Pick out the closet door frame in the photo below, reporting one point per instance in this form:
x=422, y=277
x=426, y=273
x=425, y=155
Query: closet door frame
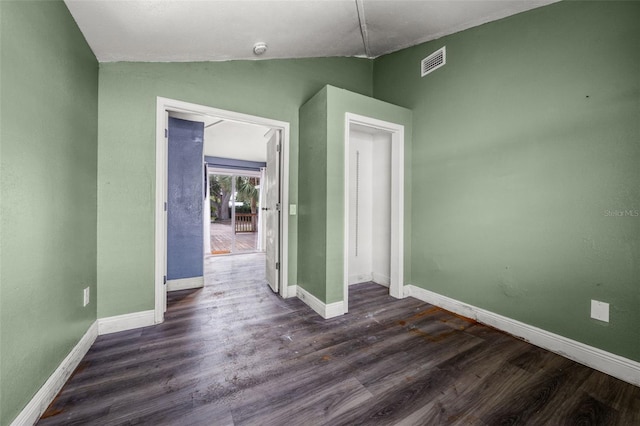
x=396, y=287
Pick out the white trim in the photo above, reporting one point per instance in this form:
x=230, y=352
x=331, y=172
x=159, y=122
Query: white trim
x=292, y=291
x=230, y=172
x=325, y=311
x=206, y=215
x=396, y=282
x=160, y=245
x=261, y=240
x=126, y=322
x=41, y=400
x=162, y=106
x=383, y=280
x=284, y=201
x=360, y=278
x=334, y=309
x=185, y=283
x=612, y=364
x=380, y=279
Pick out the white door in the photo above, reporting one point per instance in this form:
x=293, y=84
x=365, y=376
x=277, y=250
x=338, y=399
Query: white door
x=271, y=211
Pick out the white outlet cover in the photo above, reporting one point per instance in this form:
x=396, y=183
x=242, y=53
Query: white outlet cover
x=600, y=310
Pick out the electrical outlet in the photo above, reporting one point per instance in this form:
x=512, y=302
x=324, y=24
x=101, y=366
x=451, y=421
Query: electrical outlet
x=600, y=310
x=87, y=298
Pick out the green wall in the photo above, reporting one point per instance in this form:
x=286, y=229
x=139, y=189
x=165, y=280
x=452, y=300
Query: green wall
x=525, y=159
x=321, y=227
x=126, y=150
x=312, y=197
x=522, y=198
x=48, y=156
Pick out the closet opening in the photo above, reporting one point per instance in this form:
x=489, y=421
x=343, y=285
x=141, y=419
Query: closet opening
x=374, y=181
x=369, y=205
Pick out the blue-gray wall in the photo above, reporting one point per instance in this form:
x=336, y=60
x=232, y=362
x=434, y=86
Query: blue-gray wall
x=185, y=197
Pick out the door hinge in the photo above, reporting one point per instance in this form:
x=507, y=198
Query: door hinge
x=278, y=148
x=278, y=207
x=165, y=206
x=164, y=280
x=166, y=133
x=277, y=265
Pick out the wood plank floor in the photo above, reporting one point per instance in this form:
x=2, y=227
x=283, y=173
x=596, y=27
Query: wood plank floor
x=234, y=353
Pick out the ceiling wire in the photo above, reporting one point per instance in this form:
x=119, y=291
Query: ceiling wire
x=363, y=27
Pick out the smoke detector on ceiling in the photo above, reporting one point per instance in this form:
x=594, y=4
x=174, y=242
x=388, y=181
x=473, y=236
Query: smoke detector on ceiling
x=259, y=48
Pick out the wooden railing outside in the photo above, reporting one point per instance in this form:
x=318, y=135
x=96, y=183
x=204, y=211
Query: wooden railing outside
x=246, y=222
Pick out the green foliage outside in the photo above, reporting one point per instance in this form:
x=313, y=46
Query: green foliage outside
x=247, y=192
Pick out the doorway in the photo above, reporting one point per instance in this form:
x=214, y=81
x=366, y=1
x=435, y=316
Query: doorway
x=369, y=205
x=374, y=198
x=165, y=106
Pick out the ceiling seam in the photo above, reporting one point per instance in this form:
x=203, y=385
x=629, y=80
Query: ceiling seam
x=363, y=27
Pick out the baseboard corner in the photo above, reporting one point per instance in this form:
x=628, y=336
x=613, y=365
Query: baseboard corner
x=292, y=291
x=126, y=322
x=326, y=311
x=31, y=413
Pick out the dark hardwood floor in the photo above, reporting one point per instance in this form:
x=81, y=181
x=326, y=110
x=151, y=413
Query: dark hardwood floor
x=234, y=353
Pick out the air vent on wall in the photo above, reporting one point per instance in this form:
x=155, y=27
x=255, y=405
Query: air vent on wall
x=433, y=61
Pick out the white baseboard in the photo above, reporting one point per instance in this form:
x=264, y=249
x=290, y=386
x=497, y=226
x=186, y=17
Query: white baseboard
x=292, y=291
x=185, y=283
x=381, y=279
x=360, y=278
x=334, y=309
x=41, y=400
x=612, y=364
x=373, y=276
x=126, y=322
x=326, y=311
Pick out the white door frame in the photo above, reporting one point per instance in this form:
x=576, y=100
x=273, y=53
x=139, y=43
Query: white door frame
x=396, y=287
x=163, y=106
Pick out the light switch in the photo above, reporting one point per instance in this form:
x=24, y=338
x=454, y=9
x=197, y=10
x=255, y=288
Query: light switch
x=600, y=310
x=293, y=209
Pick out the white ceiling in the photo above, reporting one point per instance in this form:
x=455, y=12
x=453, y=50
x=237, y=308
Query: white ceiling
x=241, y=141
x=216, y=30
x=230, y=139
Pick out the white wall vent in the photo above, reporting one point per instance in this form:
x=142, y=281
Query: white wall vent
x=433, y=61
